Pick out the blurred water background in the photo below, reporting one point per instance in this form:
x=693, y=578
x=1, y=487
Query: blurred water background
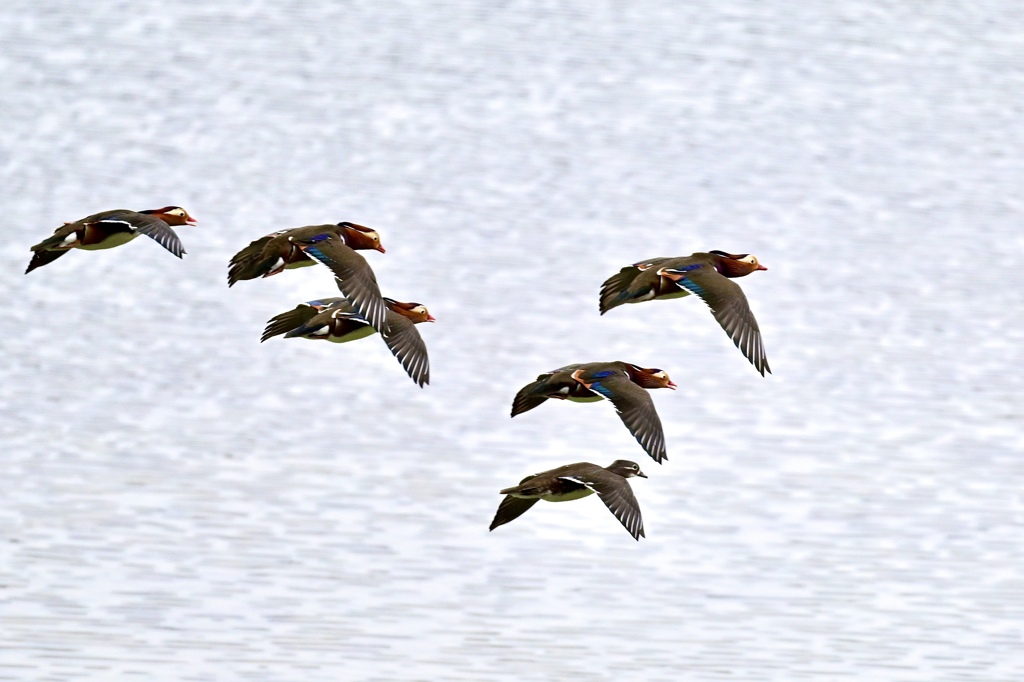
x=181, y=502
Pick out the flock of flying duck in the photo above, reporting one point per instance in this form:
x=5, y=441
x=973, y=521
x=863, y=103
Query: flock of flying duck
x=362, y=311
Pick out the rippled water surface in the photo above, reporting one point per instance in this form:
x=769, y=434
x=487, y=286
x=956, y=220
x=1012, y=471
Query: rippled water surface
x=181, y=502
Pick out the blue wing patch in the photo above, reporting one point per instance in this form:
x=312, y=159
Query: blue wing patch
x=606, y=373
x=316, y=253
x=603, y=390
x=691, y=286
x=319, y=238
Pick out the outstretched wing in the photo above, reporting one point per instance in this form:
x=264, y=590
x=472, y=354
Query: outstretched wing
x=617, y=495
x=729, y=306
x=299, y=316
x=531, y=395
x=406, y=344
x=636, y=409
x=152, y=227
x=41, y=258
x=511, y=508
x=558, y=383
x=353, y=275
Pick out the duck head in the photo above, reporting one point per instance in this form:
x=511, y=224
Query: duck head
x=649, y=377
x=360, y=237
x=625, y=468
x=172, y=215
x=417, y=312
x=736, y=265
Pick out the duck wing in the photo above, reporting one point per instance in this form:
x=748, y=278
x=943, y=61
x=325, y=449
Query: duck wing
x=636, y=410
x=406, y=344
x=152, y=227
x=41, y=258
x=290, y=320
x=617, y=495
x=558, y=383
x=252, y=261
x=297, y=317
x=353, y=276
x=511, y=508
x=729, y=305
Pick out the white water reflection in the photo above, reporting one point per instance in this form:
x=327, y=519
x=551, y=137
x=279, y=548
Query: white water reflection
x=182, y=502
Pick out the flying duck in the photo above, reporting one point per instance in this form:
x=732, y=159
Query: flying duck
x=573, y=481
x=620, y=382
x=335, y=320
x=333, y=245
x=112, y=228
x=709, y=275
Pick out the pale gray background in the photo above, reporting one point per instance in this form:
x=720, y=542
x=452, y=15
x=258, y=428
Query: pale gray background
x=182, y=503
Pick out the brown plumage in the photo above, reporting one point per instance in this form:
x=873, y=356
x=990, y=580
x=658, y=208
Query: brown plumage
x=333, y=245
x=709, y=276
x=575, y=481
x=109, y=229
x=336, y=320
x=622, y=383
